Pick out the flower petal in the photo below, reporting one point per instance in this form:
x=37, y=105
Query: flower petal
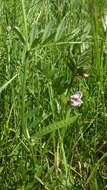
x=76, y=103
x=77, y=95
x=75, y=100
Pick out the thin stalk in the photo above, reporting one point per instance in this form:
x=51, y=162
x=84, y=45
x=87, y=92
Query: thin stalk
x=63, y=155
x=24, y=61
x=23, y=124
x=97, y=47
x=96, y=33
x=25, y=23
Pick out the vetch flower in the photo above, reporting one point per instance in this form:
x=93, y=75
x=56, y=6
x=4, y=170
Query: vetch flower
x=75, y=100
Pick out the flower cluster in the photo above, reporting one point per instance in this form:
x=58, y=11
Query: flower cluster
x=75, y=100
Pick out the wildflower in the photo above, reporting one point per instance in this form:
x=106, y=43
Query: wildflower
x=8, y=28
x=75, y=100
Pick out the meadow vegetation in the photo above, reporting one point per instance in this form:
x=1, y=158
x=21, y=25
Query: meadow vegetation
x=53, y=94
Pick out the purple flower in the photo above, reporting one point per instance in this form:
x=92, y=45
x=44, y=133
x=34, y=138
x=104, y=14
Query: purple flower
x=75, y=100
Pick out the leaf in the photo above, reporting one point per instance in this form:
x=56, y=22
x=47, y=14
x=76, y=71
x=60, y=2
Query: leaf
x=20, y=35
x=35, y=42
x=47, y=31
x=56, y=125
x=60, y=29
x=32, y=33
x=74, y=33
x=1, y=169
x=7, y=83
x=49, y=39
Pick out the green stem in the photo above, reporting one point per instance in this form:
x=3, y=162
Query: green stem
x=23, y=127
x=25, y=24
x=25, y=64
x=23, y=122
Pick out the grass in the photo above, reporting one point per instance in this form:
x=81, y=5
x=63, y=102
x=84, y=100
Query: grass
x=45, y=49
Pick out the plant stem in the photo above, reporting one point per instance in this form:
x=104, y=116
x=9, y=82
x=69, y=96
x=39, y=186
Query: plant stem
x=25, y=24
x=25, y=60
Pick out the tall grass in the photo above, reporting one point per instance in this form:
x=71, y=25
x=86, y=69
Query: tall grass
x=46, y=47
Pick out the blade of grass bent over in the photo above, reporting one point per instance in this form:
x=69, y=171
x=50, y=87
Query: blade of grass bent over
x=7, y=83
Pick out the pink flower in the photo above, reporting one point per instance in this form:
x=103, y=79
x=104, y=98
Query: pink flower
x=75, y=100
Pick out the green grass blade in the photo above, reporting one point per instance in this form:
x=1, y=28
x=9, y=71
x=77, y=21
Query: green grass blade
x=7, y=83
x=60, y=29
x=96, y=167
x=20, y=35
x=55, y=126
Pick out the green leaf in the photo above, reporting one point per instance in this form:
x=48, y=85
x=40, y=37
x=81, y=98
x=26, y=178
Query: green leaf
x=20, y=35
x=56, y=125
x=1, y=169
x=49, y=39
x=32, y=33
x=60, y=29
x=35, y=42
x=47, y=31
x=7, y=83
